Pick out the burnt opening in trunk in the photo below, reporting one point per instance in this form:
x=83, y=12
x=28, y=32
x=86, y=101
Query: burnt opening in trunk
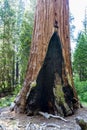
x=49, y=95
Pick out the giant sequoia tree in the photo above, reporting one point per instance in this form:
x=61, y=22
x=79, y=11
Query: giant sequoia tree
x=49, y=67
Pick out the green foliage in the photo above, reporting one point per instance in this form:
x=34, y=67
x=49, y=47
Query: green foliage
x=81, y=87
x=80, y=57
x=80, y=54
x=80, y=64
x=25, y=42
x=17, y=89
x=84, y=103
x=7, y=18
x=16, y=25
x=6, y=101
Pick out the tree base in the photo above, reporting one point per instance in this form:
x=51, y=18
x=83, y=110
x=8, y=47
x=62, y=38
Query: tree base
x=65, y=108
x=52, y=92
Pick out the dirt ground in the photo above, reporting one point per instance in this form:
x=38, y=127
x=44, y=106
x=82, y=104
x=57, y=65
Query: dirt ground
x=13, y=121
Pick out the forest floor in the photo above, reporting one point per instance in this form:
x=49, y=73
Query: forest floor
x=13, y=121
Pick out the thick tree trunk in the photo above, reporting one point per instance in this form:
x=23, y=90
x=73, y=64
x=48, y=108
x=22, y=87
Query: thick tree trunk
x=48, y=12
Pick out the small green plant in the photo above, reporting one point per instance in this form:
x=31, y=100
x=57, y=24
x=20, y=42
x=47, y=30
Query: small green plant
x=81, y=87
x=6, y=101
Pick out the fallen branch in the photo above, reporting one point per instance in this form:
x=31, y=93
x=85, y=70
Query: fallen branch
x=46, y=115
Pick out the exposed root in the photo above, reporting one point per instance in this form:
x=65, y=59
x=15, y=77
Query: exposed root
x=51, y=125
x=46, y=115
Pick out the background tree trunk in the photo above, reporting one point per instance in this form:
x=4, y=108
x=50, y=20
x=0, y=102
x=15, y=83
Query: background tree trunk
x=47, y=12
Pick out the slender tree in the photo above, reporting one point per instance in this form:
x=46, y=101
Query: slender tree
x=72, y=27
x=25, y=42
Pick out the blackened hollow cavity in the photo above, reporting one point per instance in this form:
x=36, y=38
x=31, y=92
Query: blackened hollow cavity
x=42, y=96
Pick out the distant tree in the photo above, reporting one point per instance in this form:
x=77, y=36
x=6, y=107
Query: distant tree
x=80, y=54
x=19, y=20
x=25, y=38
x=7, y=18
x=72, y=26
x=15, y=38
x=85, y=22
x=80, y=57
x=25, y=42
